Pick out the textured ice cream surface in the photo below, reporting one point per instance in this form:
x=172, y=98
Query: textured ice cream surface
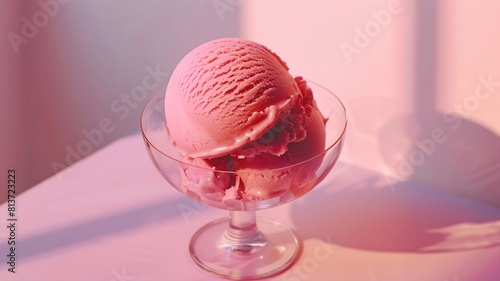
x=277, y=181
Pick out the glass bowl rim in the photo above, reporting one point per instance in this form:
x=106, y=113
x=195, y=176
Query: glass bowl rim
x=161, y=95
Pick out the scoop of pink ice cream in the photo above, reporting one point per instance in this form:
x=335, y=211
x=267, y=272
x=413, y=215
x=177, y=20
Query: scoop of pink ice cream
x=238, y=117
x=262, y=176
x=229, y=92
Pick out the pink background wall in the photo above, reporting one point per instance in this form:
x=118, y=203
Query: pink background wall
x=13, y=144
x=411, y=64
x=86, y=65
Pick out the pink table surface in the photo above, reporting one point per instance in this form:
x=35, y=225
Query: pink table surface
x=112, y=217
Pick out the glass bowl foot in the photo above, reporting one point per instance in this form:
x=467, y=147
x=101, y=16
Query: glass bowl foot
x=228, y=251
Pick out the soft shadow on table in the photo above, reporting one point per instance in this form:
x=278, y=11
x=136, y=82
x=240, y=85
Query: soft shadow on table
x=81, y=232
x=444, y=150
x=465, y=160
x=359, y=209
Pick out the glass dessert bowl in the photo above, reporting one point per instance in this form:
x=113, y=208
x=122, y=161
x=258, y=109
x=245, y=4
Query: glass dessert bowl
x=243, y=246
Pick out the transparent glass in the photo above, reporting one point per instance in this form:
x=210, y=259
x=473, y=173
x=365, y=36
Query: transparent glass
x=243, y=246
